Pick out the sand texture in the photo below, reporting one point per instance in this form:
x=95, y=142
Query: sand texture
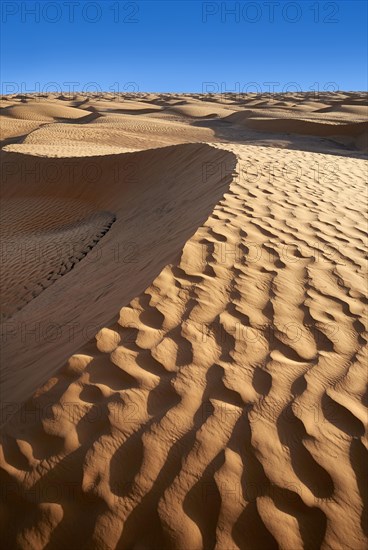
x=184, y=322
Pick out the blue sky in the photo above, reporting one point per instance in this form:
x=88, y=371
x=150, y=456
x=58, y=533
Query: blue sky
x=183, y=46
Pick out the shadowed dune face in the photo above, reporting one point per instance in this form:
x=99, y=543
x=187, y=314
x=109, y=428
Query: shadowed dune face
x=70, y=205
x=43, y=239
x=194, y=375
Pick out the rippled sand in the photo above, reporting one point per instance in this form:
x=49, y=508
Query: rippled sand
x=184, y=322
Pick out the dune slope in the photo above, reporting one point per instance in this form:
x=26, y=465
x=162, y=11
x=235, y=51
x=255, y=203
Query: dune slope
x=142, y=198
x=216, y=408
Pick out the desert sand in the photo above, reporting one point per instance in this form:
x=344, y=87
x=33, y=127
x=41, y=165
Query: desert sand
x=184, y=321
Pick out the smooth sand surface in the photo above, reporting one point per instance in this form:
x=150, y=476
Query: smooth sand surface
x=184, y=322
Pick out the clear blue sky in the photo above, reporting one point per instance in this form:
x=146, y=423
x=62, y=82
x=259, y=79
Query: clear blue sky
x=178, y=46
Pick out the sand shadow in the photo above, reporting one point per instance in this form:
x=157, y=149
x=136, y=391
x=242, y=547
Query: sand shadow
x=159, y=197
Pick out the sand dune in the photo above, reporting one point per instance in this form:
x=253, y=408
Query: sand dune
x=44, y=112
x=185, y=327
x=123, y=107
x=124, y=131
x=361, y=110
x=300, y=126
x=84, y=196
x=14, y=130
x=203, y=110
x=311, y=123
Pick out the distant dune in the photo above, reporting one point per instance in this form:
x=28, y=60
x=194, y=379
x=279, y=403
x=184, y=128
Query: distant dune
x=51, y=111
x=184, y=322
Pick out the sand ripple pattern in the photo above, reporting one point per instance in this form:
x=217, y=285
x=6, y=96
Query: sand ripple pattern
x=226, y=408
x=36, y=252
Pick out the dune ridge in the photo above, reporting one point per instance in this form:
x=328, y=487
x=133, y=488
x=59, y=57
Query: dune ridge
x=139, y=243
